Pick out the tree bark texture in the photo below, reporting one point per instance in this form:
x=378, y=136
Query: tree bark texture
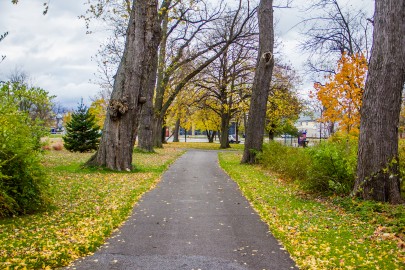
x=261, y=83
x=377, y=169
x=133, y=80
x=145, y=129
x=160, y=86
x=157, y=132
x=176, y=131
x=210, y=135
x=224, y=139
x=163, y=134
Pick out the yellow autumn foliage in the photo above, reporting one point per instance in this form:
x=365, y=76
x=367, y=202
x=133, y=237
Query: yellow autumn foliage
x=98, y=108
x=67, y=117
x=206, y=119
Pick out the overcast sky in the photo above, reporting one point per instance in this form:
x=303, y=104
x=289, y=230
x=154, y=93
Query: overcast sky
x=53, y=49
x=56, y=52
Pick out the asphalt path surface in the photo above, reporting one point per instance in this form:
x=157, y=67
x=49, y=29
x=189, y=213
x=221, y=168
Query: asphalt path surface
x=196, y=218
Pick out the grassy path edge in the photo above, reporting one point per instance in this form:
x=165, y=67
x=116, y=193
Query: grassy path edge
x=88, y=206
x=317, y=234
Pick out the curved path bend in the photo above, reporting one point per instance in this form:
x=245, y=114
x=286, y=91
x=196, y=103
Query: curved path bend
x=196, y=218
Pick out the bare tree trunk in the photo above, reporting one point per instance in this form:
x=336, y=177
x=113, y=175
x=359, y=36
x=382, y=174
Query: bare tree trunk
x=271, y=132
x=271, y=135
x=244, y=124
x=224, y=139
x=145, y=129
x=331, y=128
x=157, y=132
x=261, y=84
x=160, y=86
x=377, y=169
x=211, y=135
x=163, y=134
x=237, y=132
x=133, y=75
x=176, y=131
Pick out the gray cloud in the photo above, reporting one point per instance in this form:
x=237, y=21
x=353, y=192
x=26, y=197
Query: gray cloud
x=53, y=49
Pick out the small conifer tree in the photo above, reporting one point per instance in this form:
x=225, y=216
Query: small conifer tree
x=82, y=132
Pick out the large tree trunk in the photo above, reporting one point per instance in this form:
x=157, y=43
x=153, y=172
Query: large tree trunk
x=377, y=169
x=134, y=74
x=145, y=130
x=176, y=131
x=261, y=84
x=160, y=86
x=157, y=132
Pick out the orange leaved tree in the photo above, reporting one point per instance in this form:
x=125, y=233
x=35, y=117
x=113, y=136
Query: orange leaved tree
x=341, y=96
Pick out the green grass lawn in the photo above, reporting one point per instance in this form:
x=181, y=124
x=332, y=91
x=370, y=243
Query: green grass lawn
x=87, y=205
x=323, y=233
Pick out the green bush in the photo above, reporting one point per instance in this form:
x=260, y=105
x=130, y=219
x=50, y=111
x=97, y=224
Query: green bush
x=327, y=167
x=333, y=166
x=23, y=183
x=290, y=161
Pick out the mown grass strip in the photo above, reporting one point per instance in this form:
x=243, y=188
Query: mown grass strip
x=87, y=205
x=322, y=233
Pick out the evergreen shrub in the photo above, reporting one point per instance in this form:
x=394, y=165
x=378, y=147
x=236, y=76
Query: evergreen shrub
x=82, y=132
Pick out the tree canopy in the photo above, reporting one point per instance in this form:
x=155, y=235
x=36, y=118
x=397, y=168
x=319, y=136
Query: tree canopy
x=33, y=100
x=202, y=64
x=341, y=96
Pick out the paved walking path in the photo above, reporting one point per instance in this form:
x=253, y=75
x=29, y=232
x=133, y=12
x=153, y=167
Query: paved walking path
x=196, y=218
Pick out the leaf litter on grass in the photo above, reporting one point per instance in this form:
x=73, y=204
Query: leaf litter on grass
x=318, y=233
x=87, y=206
